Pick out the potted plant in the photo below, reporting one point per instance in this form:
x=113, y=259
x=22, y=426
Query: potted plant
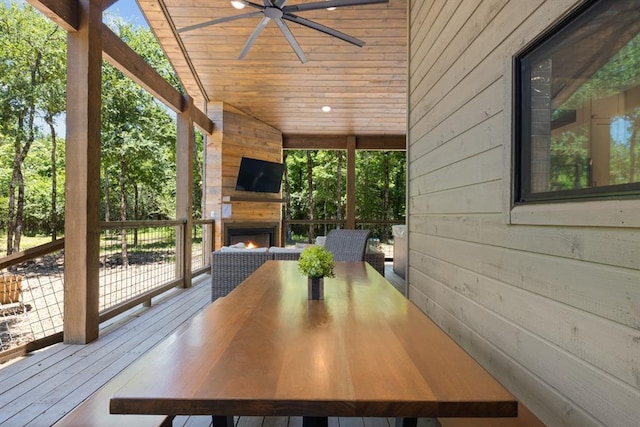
x=316, y=263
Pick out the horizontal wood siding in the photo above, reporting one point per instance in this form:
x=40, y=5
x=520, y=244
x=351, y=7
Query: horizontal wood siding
x=552, y=311
x=237, y=135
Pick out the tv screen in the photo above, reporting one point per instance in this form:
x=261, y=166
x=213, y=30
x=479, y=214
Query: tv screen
x=259, y=175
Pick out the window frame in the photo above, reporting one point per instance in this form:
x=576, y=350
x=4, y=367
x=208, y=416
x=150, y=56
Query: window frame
x=522, y=139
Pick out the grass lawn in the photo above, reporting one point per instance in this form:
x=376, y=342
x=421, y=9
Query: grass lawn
x=26, y=242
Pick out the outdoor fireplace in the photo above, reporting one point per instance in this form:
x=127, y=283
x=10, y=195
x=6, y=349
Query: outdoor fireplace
x=260, y=234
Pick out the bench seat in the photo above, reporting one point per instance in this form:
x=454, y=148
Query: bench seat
x=94, y=412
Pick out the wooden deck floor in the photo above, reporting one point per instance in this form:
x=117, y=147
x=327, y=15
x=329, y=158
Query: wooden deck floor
x=41, y=388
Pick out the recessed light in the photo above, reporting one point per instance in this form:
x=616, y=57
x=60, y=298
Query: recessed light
x=326, y=109
x=238, y=4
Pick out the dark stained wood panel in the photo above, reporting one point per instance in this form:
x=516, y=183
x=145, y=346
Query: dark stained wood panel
x=366, y=87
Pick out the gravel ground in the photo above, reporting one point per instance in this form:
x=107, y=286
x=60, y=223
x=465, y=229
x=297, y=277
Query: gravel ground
x=39, y=313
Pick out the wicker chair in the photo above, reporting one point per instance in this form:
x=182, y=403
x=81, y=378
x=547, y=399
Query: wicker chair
x=347, y=245
x=229, y=269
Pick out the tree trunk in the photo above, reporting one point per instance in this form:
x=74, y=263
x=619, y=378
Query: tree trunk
x=11, y=211
x=123, y=211
x=310, y=194
x=136, y=213
x=16, y=201
x=30, y=113
x=385, y=203
x=107, y=214
x=287, y=205
x=53, y=221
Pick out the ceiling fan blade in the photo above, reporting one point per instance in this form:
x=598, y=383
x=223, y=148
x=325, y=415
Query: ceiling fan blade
x=254, y=36
x=327, y=4
x=279, y=3
x=323, y=29
x=219, y=21
x=291, y=39
x=252, y=4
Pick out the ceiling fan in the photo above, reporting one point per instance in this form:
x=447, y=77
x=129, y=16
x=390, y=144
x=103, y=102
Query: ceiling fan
x=277, y=11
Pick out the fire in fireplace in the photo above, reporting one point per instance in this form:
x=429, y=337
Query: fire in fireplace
x=262, y=236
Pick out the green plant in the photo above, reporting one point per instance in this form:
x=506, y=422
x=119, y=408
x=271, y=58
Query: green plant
x=316, y=261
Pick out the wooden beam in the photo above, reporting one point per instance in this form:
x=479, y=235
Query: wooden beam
x=82, y=187
x=184, y=190
x=312, y=142
x=62, y=12
x=339, y=142
x=121, y=56
x=201, y=120
x=107, y=4
x=351, y=183
x=133, y=66
x=381, y=142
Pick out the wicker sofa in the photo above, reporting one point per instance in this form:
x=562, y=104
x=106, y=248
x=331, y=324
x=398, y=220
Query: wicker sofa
x=230, y=267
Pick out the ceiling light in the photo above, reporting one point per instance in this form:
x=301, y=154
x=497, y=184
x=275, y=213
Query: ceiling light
x=326, y=109
x=237, y=4
x=330, y=8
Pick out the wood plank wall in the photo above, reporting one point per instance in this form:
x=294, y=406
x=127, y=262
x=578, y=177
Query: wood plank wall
x=552, y=311
x=236, y=135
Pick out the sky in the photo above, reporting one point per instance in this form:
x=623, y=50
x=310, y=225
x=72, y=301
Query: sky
x=128, y=10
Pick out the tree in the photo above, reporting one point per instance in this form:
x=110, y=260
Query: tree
x=314, y=183
x=138, y=138
x=30, y=70
x=310, y=205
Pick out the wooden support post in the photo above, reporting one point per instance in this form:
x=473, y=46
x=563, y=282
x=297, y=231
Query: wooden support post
x=208, y=234
x=82, y=188
x=184, y=190
x=351, y=183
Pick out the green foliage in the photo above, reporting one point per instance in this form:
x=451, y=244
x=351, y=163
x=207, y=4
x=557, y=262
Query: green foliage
x=32, y=95
x=316, y=261
x=570, y=160
x=138, y=137
x=380, y=190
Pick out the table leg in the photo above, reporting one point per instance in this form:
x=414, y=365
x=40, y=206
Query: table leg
x=219, y=421
x=315, y=422
x=406, y=422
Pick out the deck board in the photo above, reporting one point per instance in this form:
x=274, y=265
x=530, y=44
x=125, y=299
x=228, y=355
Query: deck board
x=41, y=388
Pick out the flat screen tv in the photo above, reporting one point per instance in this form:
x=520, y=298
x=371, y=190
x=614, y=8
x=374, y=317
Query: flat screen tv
x=259, y=176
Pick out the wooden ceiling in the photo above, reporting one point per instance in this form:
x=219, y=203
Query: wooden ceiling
x=365, y=87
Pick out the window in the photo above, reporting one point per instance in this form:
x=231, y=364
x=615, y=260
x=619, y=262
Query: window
x=578, y=107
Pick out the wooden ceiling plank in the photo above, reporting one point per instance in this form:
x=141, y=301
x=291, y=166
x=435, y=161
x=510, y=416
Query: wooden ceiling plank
x=366, y=87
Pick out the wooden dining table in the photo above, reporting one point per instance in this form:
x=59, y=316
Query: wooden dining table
x=266, y=349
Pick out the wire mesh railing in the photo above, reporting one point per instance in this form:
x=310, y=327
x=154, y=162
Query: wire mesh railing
x=136, y=258
x=306, y=231
x=33, y=295
x=138, y=261
x=201, y=245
